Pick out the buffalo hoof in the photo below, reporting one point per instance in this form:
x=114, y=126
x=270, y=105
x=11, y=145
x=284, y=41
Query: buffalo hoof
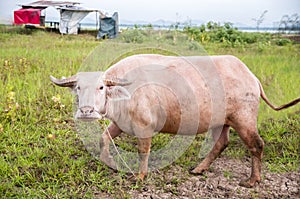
x=248, y=183
x=197, y=171
x=141, y=176
x=109, y=161
x=137, y=177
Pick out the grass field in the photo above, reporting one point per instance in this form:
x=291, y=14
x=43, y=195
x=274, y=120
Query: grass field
x=41, y=155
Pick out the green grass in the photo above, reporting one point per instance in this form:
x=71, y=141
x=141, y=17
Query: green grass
x=41, y=155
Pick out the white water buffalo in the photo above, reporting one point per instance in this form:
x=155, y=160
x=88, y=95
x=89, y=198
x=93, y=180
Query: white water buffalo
x=143, y=94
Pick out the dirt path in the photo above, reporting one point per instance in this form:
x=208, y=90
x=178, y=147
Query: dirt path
x=221, y=181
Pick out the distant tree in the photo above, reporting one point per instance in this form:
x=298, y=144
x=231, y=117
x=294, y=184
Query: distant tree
x=290, y=22
x=284, y=22
x=294, y=22
x=260, y=19
x=177, y=23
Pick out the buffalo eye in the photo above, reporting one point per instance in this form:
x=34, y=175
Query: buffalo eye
x=100, y=88
x=78, y=87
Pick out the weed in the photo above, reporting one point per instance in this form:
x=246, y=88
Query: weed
x=227, y=174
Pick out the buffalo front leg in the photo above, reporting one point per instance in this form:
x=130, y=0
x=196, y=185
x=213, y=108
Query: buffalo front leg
x=221, y=140
x=111, y=132
x=144, y=145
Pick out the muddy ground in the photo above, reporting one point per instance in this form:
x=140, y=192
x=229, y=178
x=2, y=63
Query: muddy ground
x=221, y=181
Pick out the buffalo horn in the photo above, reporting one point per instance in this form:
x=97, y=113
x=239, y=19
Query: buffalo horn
x=65, y=82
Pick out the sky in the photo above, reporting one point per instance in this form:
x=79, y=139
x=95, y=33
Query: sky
x=235, y=11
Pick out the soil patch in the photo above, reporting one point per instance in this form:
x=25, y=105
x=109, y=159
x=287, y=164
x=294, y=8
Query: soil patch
x=221, y=181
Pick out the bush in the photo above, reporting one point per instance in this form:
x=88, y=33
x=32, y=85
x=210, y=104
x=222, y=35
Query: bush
x=133, y=36
x=225, y=34
x=283, y=42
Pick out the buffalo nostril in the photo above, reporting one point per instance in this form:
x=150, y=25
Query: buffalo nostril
x=86, y=110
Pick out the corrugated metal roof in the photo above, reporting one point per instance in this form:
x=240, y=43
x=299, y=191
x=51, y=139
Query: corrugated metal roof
x=45, y=4
x=77, y=9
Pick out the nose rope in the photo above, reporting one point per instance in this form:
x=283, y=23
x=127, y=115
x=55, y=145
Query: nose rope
x=115, y=147
x=103, y=115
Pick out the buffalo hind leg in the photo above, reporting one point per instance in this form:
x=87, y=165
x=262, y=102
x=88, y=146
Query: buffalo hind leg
x=221, y=139
x=144, y=145
x=111, y=132
x=255, y=145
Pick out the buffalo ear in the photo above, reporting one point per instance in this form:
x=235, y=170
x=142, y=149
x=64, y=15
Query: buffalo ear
x=117, y=93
